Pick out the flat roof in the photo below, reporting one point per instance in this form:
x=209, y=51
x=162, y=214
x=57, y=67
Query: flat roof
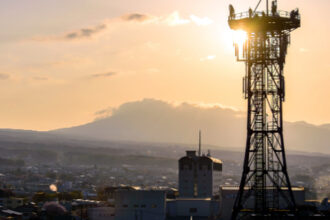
x=190, y=199
x=294, y=188
x=11, y=212
x=214, y=160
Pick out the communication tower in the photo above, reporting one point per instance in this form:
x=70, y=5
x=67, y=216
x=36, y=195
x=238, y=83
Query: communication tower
x=265, y=191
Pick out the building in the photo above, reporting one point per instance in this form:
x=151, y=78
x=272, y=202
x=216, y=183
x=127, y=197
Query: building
x=10, y=214
x=199, y=181
x=140, y=204
x=321, y=205
x=101, y=213
x=198, y=197
x=196, y=208
x=11, y=202
x=228, y=195
x=199, y=176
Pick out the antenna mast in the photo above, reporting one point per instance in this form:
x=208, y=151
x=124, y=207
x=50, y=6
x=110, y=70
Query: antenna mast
x=265, y=190
x=200, y=143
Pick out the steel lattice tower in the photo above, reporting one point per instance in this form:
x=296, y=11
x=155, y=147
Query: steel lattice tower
x=265, y=191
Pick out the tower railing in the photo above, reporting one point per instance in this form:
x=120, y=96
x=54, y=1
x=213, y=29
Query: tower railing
x=248, y=14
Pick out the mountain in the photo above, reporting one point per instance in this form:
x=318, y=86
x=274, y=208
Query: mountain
x=152, y=120
x=325, y=126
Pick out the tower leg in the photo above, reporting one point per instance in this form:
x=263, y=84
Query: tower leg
x=265, y=188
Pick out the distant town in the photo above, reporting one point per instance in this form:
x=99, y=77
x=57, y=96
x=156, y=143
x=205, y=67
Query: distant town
x=43, y=178
x=164, y=110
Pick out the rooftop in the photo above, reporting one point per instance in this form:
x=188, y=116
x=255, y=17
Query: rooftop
x=294, y=188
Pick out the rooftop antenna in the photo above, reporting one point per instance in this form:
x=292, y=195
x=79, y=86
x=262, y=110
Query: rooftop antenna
x=200, y=143
x=255, y=9
x=267, y=6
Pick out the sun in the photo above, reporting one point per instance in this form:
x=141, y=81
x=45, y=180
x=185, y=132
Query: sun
x=239, y=37
x=230, y=37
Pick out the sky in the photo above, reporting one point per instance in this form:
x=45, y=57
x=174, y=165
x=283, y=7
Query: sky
x=63, y=61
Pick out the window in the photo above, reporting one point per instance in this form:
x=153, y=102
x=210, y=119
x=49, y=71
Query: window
x=153, y=206
x=125, y=206
x=136, y=206
x=195, y=190
x=143, y=206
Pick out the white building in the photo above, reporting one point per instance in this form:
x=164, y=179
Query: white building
x=195, y=208
x=199, y=176
x=101, y=213
x=199, y=181
x=140, y=204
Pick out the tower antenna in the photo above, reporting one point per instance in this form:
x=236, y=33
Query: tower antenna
x=255, y=9
x=200, y=143
x=267, y=6
x=265, y=181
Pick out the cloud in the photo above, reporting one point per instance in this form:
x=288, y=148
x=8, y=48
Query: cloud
x=201, y=21
x=135, y=17
x=104, y=113
x=103, y=75
x=4, y=76
x=85, y=32
x=172, y=19
x=175, y=19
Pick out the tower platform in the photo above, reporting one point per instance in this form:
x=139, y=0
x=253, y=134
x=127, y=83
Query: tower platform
x=260, y=22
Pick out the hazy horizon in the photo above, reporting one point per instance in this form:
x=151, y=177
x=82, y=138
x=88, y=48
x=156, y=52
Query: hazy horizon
x=107, y=113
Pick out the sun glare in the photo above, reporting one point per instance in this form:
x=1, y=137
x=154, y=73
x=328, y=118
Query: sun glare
x=239, y=37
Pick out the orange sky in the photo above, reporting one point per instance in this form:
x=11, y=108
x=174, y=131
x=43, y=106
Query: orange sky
x=62, y=61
